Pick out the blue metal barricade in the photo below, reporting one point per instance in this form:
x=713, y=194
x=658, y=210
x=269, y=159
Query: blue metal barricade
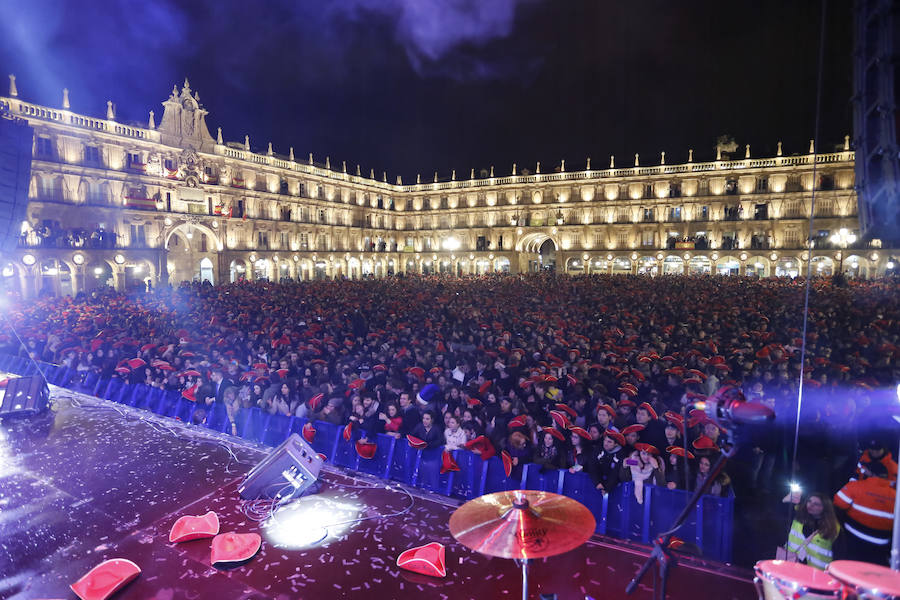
x=404, y=462
x=380, y=464
x=428, y=474
x=469, y=481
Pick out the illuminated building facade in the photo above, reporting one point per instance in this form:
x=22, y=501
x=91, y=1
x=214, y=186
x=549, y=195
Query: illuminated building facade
x=118, y=204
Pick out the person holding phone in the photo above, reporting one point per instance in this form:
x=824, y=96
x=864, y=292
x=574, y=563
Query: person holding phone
x=643, y=467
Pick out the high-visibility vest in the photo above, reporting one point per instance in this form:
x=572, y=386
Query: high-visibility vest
x=818, y=550
x=865, y=460
x=870, y=509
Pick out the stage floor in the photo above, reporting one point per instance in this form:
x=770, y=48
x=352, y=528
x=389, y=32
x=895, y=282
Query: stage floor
x=94, y=480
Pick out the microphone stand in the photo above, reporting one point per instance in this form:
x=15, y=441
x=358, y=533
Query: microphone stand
x=661, y=555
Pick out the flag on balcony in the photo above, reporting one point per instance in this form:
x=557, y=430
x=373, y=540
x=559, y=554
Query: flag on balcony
x=140, y=203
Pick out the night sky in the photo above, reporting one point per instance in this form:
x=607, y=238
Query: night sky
x=408, y=86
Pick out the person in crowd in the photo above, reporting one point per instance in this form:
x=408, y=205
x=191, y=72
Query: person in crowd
x=644, y=467
x=548, y=453
x=454, y=435
x=579, y=451
x=866, y=507
x=428, y=431
x=391, y=419
x=605, y=467
x=720, y=486
x=815, y=531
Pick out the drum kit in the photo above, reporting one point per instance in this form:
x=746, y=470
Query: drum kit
x=841, y=580
x=522, y=525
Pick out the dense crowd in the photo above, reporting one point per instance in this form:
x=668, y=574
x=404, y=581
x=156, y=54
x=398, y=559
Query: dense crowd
x=591, y=373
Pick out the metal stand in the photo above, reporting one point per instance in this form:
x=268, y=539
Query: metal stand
x=661, y=556
x=524, y=564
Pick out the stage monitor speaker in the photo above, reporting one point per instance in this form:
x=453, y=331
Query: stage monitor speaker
x=25, y=396
x=16, y=139
x=876, y=117
x=287, y=471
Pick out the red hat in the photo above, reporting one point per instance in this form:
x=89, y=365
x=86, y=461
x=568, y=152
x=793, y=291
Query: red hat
x=109, y=576
x=416, y=442
x=473, y=402
x=609, y=409
x=670, y=415
x=447, y=463
x=190, y=373
x=648, y=448
x=568, y=409
x=519, y=421
x=366, y=449
x=560, y=418
x=630, y=390
x=646, y=406
x=571, y=379
x=705, y=443
x=507, y=462
x=627, y=402
x=122, y=370
x=234, y=547
x=348, y=432
x=282, y=373
x=379, y=367
x=485, y=386
x=309, y=432
x=425, y=560
x=357, y=383
x=315, y=401
x=483, y=445
x=191, y=527
x=417, y=371
x=581, y=432
x=678, y=451
x=136, y=363
x=615, y=436
x=632, y=429
x=554, y=432
x=260, y=366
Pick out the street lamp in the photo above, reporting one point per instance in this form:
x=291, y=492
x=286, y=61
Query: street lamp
x=842, y=238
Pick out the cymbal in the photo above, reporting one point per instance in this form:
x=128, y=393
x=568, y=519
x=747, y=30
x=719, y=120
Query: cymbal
x=522, y=524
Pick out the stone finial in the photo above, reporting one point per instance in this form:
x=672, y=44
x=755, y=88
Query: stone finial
x=151, y=123
x=187, y=85
x=538, y=168
x=514, y=169
x=343, y=166
x=453, y=175
x=269, y=150
x=747, y=151
x=588, y=168
x=358, y=173
x=612, y=161
x=492, y=170
x=690, y=155
x=291, y=155
x=778, y=151
x=327, y=162
x=384, y=176
x=846, y=143
x=562, y=166
x=399, y=180
x=110, y=111
x=718, y=153
x=310, y=158
x=65, y=103
x=418, y=178
x=637, y=159
x=13, y=91
x=247, y=143
x=812, y=146
x=472, y=173
x=662, y=157
x=174, y=90
x=219, y=136
x=435, y=176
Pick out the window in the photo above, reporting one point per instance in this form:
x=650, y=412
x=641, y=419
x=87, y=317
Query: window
x=826, y=182
x=137, y=236
x=675, y=213
x=320, y=192
x=598, y=239
x=500, y=243
x=704, y=213
x=409, y=204
x=43, y=147
x=203, y=243
x=481, y=243
x=134, y=159
x=624, y=216
x=321, y=216
x=761, y=212
x=285, y=239
x=648, y=215
x=92, y=155
x=648, y=191
x=824, y=207
x=445, y=203
x=304, y=241
x=262, y=239
x=675, y=190
x=622, y=239
x=731, y=186
x=169, y=164
x=647, y=238
x=762, y=184
x=445, y=223
x=427, y=243
x=791, y=238
x=302, y=189
x=792, y=209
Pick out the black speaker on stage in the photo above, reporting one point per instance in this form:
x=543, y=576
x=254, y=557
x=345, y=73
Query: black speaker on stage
x=16, y=139
x=287, y=471
x=25, y=396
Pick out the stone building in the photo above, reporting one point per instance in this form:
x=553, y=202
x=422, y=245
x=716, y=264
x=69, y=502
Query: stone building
x=118, y=204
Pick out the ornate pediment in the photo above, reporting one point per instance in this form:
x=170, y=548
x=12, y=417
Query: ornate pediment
x=184, y=121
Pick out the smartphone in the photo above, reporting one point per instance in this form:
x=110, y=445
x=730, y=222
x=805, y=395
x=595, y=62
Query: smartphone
x=631, y=462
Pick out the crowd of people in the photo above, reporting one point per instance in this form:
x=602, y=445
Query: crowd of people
x=597, y=374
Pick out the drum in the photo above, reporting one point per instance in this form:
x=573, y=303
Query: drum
x=865, y=581
x=781, y=580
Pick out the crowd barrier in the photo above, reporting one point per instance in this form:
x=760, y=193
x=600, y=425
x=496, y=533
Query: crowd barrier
x=617, y=514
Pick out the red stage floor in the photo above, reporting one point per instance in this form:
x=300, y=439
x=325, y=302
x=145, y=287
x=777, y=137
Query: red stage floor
x=100, y=481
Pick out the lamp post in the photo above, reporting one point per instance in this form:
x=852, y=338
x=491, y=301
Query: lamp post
x=842, y=238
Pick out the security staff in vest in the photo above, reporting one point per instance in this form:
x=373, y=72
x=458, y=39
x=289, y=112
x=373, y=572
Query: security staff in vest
x=867, y=506
x=815, y=532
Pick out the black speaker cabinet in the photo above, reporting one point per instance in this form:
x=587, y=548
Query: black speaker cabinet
x=25, y=396
x=287, y=471
x=16, y=138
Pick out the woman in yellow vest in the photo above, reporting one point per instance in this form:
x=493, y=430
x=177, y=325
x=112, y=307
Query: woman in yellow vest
x=814, y=531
